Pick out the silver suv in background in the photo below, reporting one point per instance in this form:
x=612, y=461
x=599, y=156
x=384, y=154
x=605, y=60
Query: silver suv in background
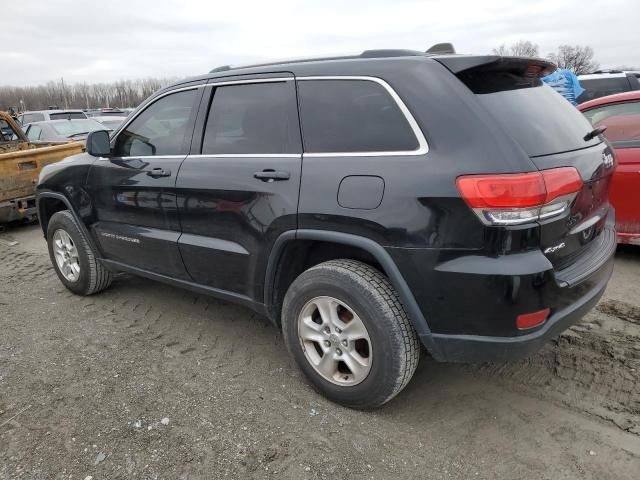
x=607, y=82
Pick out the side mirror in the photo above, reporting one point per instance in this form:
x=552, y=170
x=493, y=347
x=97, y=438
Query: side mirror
x=98, y=143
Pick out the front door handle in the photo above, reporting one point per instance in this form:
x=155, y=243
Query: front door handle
x=271, y=175
x=159, y=172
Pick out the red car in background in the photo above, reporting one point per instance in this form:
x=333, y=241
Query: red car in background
x=620, y=113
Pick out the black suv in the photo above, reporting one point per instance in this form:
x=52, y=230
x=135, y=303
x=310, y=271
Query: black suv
x=365, y=204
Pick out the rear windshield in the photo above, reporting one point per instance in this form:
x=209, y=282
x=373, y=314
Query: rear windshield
x=539, y=119
x=66, y=115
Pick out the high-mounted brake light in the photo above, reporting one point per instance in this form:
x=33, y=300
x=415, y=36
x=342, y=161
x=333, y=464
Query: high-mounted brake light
x=510, y=199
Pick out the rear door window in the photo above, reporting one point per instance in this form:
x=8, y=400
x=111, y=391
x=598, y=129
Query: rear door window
x=348, y=116
x=622, y=122
x=256, y=118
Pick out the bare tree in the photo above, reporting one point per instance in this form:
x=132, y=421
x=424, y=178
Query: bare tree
x=577, y=58
x=124, y=93
x=522, y=48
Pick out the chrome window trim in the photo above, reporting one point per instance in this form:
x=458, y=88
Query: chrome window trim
x=246, y=155
x=195, y=87
x=423, y=146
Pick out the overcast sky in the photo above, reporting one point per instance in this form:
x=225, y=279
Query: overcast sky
x=93, y=41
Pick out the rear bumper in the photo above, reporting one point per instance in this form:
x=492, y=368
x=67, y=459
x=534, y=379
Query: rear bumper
x=476, y=348
x=472, y=302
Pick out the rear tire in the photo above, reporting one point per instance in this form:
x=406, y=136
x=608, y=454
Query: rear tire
x=72, y=257
x=370, y=350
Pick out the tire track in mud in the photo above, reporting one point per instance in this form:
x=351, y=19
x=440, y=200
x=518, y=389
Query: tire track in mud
x=174, y=320
x=594, y=367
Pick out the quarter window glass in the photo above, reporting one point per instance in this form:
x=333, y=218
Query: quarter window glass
x=352, y=116
x=622, y=121
x=253, y=119
x=161, y=129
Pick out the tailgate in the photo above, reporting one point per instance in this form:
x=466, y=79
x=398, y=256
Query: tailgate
x=553, y=134
x=19, y=170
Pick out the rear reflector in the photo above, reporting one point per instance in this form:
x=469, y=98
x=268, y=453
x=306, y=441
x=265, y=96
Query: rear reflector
x=520, y=197
x=530, y=320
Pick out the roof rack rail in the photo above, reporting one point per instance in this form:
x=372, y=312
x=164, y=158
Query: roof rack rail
x=391, y=52
x=438, y=49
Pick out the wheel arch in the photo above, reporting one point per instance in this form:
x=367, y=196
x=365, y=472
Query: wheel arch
x=383, y=261
x=48, y=203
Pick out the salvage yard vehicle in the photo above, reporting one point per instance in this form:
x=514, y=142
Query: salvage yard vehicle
x=607, y=82
x=52, y=114
x=20, y=164
x=363, y=203
x=620, y=115
x=62, y=130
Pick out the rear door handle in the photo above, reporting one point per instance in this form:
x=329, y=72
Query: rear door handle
x=159, y=172
x=271, y=175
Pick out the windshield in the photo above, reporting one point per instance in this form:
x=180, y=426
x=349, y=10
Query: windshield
x=75, y=127
x=539, y=119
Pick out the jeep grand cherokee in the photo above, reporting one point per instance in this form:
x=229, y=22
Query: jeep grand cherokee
x=365, y=204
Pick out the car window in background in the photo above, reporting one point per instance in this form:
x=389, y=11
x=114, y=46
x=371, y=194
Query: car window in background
x=601, y=87
x=622, y=121
x=352, y=116
x=253, y=119
x=160, y=129
x=33, y=133
x=75, y=127
x=66, y=115
x=32, y=117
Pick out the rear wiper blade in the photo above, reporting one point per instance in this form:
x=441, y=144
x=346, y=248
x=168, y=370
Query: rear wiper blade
x=594, y=133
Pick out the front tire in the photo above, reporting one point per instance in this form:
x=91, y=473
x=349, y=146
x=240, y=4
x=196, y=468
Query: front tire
x=348, y=332
x=72, y=257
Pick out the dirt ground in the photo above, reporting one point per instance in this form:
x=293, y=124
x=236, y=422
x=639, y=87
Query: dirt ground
x=148, y=381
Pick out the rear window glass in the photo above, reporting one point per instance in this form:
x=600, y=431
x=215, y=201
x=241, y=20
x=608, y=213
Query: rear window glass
x=539, y=119
x=352, y=116
x=601, y=87
x=66, y=115
x=622, y=121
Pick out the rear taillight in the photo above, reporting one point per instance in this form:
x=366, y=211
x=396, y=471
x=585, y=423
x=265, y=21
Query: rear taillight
x=511, y=199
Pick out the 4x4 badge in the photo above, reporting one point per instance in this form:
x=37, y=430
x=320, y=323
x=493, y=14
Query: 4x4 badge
x=554, y=248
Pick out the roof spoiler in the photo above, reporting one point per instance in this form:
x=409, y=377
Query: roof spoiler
x=441, y=49
x=522, y=66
